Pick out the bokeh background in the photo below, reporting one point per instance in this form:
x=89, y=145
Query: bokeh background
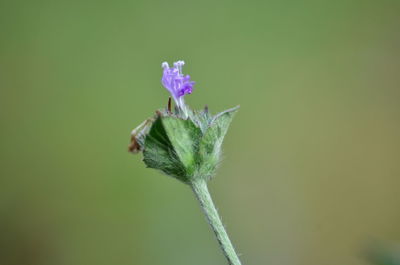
x=311, y=171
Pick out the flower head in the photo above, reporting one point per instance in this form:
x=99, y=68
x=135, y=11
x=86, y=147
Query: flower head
x=184, y=143
x=176, y=83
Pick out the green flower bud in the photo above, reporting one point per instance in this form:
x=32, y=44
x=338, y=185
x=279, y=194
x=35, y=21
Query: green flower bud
x=186, y=149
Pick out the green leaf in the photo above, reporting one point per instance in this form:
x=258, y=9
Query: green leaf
x=171, y=146
x=211, y=142
x=184, y=137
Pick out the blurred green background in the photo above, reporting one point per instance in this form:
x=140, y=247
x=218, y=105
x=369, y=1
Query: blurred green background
x=311, y=163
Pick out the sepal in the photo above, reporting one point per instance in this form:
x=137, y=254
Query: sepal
x=171, y=146
x=186, y=149
x=211, y=142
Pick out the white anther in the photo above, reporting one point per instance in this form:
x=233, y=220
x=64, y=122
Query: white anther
x=164, y=65
x=179, y=65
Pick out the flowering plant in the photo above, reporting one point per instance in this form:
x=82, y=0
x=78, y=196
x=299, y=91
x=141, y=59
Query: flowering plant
x=186, y=144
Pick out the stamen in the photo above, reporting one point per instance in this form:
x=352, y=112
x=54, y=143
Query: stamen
x=179, y=65
x=164, y=65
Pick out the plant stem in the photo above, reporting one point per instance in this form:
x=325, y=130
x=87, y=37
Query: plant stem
x=200, y=189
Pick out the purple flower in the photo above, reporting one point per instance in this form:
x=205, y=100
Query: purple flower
x=176, y=83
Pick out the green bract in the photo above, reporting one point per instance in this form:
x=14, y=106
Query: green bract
x=186, y=149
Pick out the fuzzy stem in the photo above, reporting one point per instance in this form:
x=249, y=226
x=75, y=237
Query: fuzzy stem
x=200, y=189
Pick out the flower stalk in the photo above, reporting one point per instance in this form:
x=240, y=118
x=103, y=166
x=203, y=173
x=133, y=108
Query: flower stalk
x=200, y=189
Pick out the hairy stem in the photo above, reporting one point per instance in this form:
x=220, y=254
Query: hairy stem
x=200, y=189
